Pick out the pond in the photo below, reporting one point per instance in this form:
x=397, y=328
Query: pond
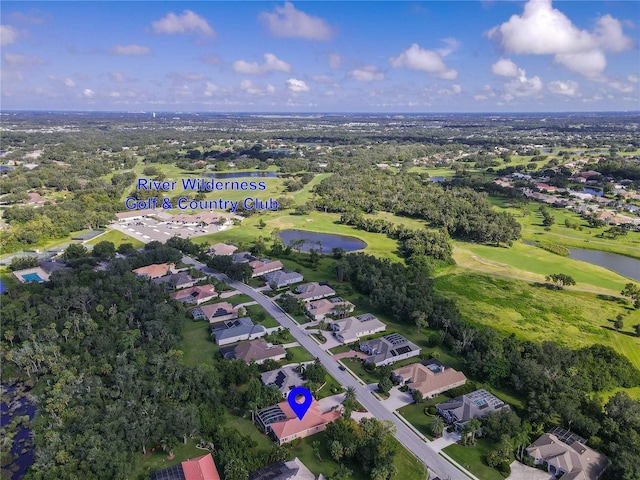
x=626, y=266
x=327, y=241
x=16, y=404
x=223, y=175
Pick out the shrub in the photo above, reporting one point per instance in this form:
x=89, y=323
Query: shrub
x=504, y=468
x=430, y=410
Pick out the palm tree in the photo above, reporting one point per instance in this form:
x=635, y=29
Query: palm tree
x=521, y=441
x=475, y=426
x=350, y=395
x=437, y=426
x=465, y=433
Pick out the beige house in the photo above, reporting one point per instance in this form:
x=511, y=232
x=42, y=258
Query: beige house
x=351, y=329
x=318, y=309
x=430, y=378
x=567, y=457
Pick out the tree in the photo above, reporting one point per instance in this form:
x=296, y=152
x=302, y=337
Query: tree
x=618, y=323
x=350, y=396
x=417, y=396
x=315, y=446
x=632, y=291
x=261, y=224
x=475, y=426
x=436, y=427
x=636, y=328
x=385, y=385
x=342, y=473
x=74, y=251
x=420, y=320
x=560, y=279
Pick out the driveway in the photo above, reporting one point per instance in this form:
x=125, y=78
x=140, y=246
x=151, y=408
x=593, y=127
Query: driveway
x=397, y=399
x=520, y=471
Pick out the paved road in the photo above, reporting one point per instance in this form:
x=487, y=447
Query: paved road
x=436, y=464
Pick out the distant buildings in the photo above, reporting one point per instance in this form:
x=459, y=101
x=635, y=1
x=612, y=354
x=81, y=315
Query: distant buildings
x=222, y=249
x=389, y=349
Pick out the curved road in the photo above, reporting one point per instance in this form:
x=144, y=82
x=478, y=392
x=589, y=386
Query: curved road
x=435, y=463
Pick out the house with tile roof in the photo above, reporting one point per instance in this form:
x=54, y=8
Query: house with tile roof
x=284, y=379
x=237, y=330
x=352, y=329
x=175, y=281
x=217, y=312
x=319, y=309
x=282, y=278
x=477, y=404
x=154, y=271
x=389, y=349
x=260, y=267
x=200, y=468
x=195, y=295
x=257, y=351
x=222, y=249
x=282, y=423
x=430, y=378
x=312, y=291
x=567, y=458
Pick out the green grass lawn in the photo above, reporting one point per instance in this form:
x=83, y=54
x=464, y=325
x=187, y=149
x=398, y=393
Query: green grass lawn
x=145, y=465
x=472, y=458
x=197, y=344
x=298, y=355
x=377, y=244
x=415, y=415
x=533, y=263
x=532, y=229
x=244, y=425
x=356, y=366
x=331, y=387
x=341, y=349
x=538, y=314
x=117, y=238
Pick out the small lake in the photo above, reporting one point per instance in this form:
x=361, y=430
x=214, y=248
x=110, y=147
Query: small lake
x=328, y=241
x=223, y=175
x=627, y=266
x=22, y=450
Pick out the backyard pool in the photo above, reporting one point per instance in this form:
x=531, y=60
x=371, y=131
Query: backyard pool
x=32, y=277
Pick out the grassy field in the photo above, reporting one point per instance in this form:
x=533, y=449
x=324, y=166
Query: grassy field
x=472, y=458
x=298, y=355
x=196, y=343
x=537, y=313
x=379, y=245
x=590, y=238
x=415, y=415
x=157, y=460
x=532, y=263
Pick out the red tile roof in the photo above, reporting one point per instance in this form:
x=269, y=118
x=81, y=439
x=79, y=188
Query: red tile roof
x=201, y=468
x=292, y=425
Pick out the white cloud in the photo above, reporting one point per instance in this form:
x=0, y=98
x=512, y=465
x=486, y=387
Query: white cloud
x=131, y=50
x=480, y=98
x=369, y=73
x=322, y=79
x=22, y=60
x=416, y=58
x=8, y=35
x=335, y=61
x=568, y=88
x=69, y=83
x=454, y=90
x=633, y=78
x=252, y=89
x=452, y=45
x=505, y=68
x=34, y=17
x=544, y=30
x=87, y=92
x=622, y=86
x=188, y=22
x=271, y=64
x=119, y=77
x=522, y=86
x=287, y=21
x=297, y=86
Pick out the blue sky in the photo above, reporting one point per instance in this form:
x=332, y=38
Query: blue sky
x=315, y=56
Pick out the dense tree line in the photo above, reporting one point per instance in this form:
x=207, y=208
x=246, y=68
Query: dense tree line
x=100, y=350
x=558, y=383
x=463, y=212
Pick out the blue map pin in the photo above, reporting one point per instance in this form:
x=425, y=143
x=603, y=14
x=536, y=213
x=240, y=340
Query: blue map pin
x=300, y=409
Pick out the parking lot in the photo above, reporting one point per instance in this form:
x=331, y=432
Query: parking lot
x=147, y=229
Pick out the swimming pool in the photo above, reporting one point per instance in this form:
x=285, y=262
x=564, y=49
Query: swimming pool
x=32, y=277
